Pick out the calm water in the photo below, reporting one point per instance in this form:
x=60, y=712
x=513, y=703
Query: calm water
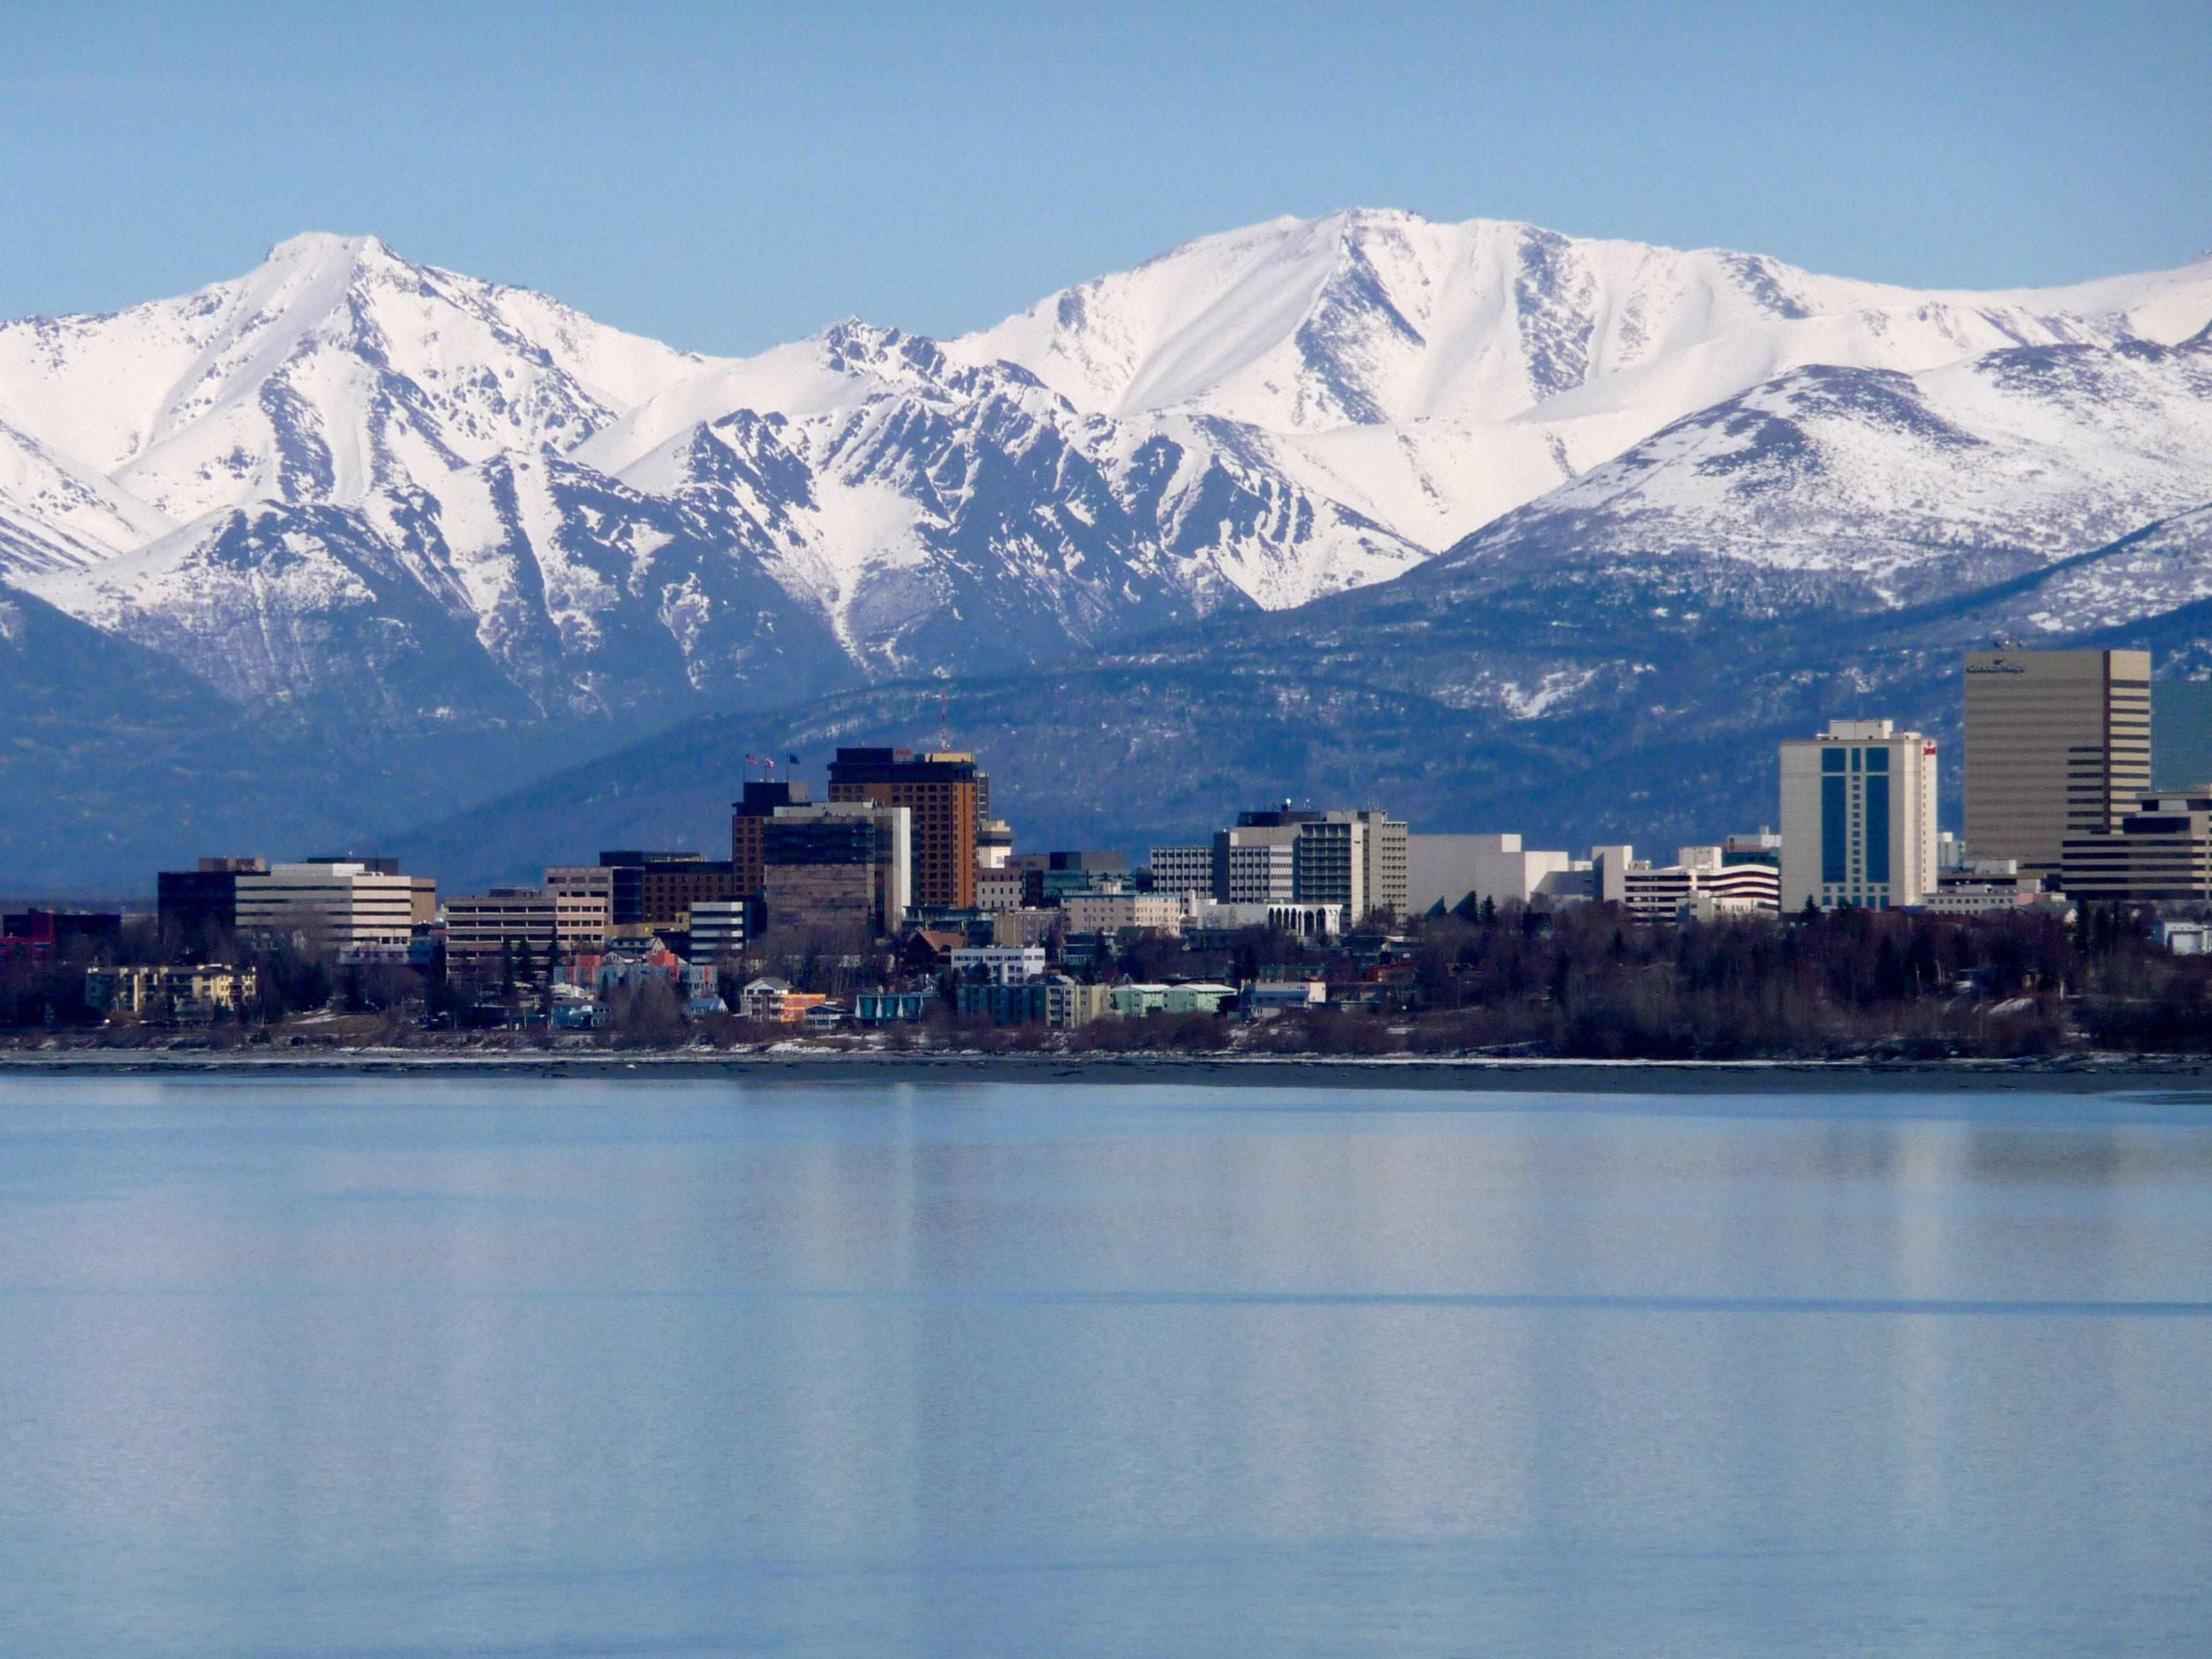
x=398, y=1366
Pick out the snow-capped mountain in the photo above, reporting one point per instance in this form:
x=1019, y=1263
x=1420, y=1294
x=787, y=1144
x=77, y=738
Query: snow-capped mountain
x=347, y=482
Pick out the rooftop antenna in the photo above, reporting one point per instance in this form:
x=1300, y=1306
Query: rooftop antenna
x=944, y=723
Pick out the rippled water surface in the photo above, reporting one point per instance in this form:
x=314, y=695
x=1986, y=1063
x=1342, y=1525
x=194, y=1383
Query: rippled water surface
x=396, y=1365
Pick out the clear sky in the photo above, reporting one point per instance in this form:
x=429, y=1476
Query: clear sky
x=728, y=177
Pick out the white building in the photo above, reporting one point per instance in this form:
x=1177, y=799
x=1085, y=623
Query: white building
x=1303, y=921
x=1858, y=817
x=1700, y=883
x=1004, y=965
x=1447, y=869
x=1263, y=864
x=717, y=928
x=330, y=905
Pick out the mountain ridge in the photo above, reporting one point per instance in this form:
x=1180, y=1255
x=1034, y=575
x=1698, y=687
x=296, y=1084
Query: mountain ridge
x=378, y=504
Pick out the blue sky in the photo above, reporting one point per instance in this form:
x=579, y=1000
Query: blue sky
x=726, y=178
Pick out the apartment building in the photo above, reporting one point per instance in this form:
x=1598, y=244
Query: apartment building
x=2058, y=744
x=1110, y=912
x=200, y=992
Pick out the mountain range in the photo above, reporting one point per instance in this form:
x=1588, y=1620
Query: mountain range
x=1503, y=528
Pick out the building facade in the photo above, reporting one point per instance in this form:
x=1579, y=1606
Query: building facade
x=330, y=904
x=840, y=865
x=198, y=992
x=1186, y=869
x=478, y=927
x=2058, y=744
x=198, y=909
x=947, y=799
x=1858, y=817
x=749, y=815
x=2163, y=850
x=1448, y=870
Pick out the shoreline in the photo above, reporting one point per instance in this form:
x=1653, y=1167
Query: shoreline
x=2076, y=1074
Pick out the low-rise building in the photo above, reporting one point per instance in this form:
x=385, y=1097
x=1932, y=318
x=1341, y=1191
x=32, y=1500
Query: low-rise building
x=481, y=926
x=1054, y=1000
x=1023, y=928
x=1700, y=883
x=893, y=1007
x=1110, y=913
x=1002, y=964
x=2184, y=939
x=1300, y=921
x=1449, y=871
x=1264, y=999
x=773, y=1001
x=200, y=991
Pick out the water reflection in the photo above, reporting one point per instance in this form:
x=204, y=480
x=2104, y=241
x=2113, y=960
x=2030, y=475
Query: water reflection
x=1097, y=1369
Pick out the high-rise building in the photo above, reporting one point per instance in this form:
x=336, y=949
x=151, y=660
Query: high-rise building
x=1451, y=870
x=836, y=865
x=1358, y=861
x=747, y=814
x=942, y=792
x=627, y=869
x=2059, y=744
x=1858, y=817
x=1388, y=873
x=2180, y=736
x=198, y=909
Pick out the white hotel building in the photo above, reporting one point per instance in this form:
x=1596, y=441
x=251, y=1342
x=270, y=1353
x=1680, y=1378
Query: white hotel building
x=1858, y=817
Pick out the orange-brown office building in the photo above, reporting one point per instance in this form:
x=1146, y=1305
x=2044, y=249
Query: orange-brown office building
x=943, y=792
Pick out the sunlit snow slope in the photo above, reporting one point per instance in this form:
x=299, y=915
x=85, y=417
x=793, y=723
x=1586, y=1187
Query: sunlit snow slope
x=346, y=481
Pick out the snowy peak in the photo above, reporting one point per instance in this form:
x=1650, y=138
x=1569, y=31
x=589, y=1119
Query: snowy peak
x=334, y=369
x=1365, y=318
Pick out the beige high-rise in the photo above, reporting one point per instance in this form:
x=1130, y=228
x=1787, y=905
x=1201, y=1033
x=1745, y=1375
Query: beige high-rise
x=2057, y=743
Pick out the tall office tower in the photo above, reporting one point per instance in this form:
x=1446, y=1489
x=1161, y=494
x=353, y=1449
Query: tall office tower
x=198, y=909
x=748, y=814
x=1858, y=817
x=2058, y=744
x=939, y=790
x=837, y=864
x=628, y=868
x=2181, y=736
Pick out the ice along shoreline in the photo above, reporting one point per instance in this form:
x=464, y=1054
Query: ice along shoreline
x=2070, y=1074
